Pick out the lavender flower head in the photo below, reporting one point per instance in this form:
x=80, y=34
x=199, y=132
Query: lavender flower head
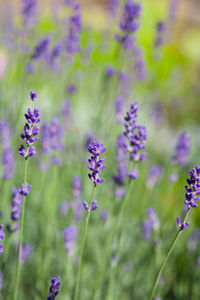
x=193, y=188
x=160, y=38
x=136, y=135
x=113, y=6
x=2, y=236
x=119, y=109
x=129, y=23
x=75, y=28
x=26, y=252
x=96, y=165
x=70, y=235
x=7, y=155
x=33, y=95
x=29, y=12
x=155, y=175
x=31, y=131
x=150, y=224
x=42, y=48
x=77, y=187
x=182, y=149
x=54, y=288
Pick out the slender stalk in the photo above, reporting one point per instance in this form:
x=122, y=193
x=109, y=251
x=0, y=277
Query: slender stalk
x=77, y=287
x=166, y=258
x=20, y=236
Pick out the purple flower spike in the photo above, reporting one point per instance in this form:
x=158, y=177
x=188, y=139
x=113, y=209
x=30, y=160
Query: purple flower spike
x=193, y=190
x=182, y=149
x=96, y=164
x=33, y=95
x=70, y=235
x=86, y=205
x=129, y=23
x=2, y=236
x=94, y=205
x=181, y=225
x=31, y=130
x=54, y=288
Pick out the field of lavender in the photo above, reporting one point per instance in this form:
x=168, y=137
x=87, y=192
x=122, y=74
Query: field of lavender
x=99, y=146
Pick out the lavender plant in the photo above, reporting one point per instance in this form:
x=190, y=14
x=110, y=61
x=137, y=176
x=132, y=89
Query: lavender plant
x=192, y=198
x=30, y=136
x=96, y=165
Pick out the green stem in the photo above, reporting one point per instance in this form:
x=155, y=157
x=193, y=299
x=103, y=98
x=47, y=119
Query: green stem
x=77, y=287
x=20, y=236
x=166, y=258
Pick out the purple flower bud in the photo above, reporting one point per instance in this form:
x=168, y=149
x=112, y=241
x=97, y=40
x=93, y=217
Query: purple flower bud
x=33, y=95
x=94, y=205
x=86, y=205
x=134, y=174
x=96, y=164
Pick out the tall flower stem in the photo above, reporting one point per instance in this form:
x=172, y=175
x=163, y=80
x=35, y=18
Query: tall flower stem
x=77, y=287
x=167, y=256
x=20, y=236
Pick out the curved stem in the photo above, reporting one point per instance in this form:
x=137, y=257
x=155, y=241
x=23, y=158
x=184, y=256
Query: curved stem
x=166, y=258
x=20, y=236
x=77, y=287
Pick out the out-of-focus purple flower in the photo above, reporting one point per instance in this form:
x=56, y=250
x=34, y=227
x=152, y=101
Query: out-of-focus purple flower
x=55, y=53
x=140, y=63
x=193, y=242
x=41, y=49
x=78, y=211
x=75, y=28
x=30, y=68
x=52, y=136
x=7, y=155
x=134, y=174
x=120, y=192
x=8, y=163
x=173, y=178
x=64, y=207
x=114, y=260
x=72, y=89
x=127, y=265
x=86, y=205
x=155, y=174
x=122, y=174
x=113, y=6
x=33, y=95
x=2, y=236
x=96, y=165
x=89, y=139
x=193, y=190
x=29, y=12
x=104, y=214
x=182, y=149
x=77, y=187
x=110, y=72
x=119, y=109
x=1, y=280
x=173, y=9
x=136, y=135
x=129, y=23
x=54, y=288
x=150, y=224
x=70, y=235
x=198, y=261
x=182, y=225
x=16, y=206
x=31, y=130
x=26, y=252
x=161, y=30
